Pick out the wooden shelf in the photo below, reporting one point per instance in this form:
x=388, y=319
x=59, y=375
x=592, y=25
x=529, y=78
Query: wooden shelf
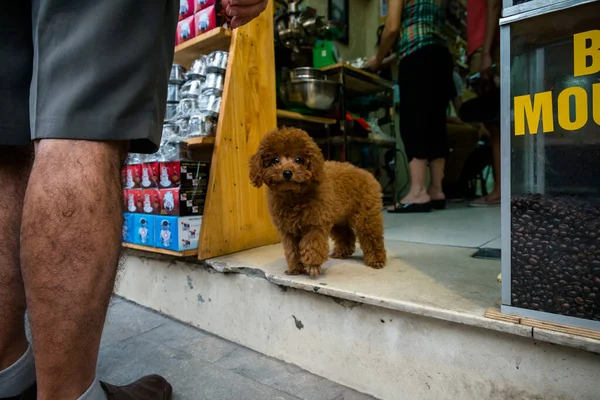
x=187, y=253
x=305, y=118
x=214, y=40
x=354, y=139
x=358, y=81
x=202, y=140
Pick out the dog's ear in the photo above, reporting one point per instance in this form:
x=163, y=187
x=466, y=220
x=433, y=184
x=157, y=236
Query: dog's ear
x=316, y=161
x=256, y=170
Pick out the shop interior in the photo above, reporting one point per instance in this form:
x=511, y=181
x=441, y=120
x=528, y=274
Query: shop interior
x=370, y=137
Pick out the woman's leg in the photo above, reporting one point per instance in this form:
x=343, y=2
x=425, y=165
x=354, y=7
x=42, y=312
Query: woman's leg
x=418, y=183
x=437, y=176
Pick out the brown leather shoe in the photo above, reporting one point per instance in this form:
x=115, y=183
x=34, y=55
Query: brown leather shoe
x=151, y=387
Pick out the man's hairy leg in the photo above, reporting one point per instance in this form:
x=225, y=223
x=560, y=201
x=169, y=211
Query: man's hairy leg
x=15, y=164
x=70, y=243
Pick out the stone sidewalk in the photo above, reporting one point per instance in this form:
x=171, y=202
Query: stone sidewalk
x=138, y=342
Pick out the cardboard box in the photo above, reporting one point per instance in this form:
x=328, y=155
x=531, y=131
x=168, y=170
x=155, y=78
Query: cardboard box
x=169, y=201
x=206, y=20
x=143, y=230
x=202, y=4
x=133, y=176
x=177, y=233
x=127, y=228
x=186, y=9
x=169, y=175
x=186, y=30
x=135, y=202
x=182, y=202
x=194, y=174
x=151, y=201
x=191, y=202
x=149, y=171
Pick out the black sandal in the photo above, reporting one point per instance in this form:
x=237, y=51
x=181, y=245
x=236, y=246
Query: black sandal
x=411, y=208
x=439, y=204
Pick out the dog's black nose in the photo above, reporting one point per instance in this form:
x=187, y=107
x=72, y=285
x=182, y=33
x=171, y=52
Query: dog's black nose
x=287, y=175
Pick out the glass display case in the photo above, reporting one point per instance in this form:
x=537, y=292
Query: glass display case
x=550, y=73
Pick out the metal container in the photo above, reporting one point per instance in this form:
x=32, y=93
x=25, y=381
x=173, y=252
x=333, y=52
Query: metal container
x=177, y=74
x=187, y=107
x=306, y=73
x=173, y=92
x=171, y=112
x=213, y=105
x=314, y=94
x=217, y=62
x=198, y=69
x=191, y=89
x=213, y=84
x=202, y=124
x=183, y=126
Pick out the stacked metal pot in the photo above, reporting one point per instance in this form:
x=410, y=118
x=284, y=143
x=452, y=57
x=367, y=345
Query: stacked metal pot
x=194, y=101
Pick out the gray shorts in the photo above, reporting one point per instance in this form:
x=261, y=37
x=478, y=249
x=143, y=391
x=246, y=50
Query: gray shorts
x=88, y=70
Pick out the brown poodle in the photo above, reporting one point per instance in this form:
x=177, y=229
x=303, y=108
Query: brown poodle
x=311, y=199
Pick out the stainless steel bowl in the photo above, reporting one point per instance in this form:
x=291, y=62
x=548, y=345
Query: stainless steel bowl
x=217, y=62
x=177, y=74
x=314, y=94
x=171, y=112
x=187, y=107
x=306, y=73
x=173, y=92
x=198, y=69
x=202, y=124
x=191, y=89
x=213, y=84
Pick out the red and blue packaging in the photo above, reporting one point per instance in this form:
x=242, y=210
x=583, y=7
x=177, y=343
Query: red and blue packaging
x=186, y=30
x=206, y=20
x=186, y=9
x=202, y=4
x=127, y=228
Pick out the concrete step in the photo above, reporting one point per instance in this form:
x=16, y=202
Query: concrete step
x=412, y=330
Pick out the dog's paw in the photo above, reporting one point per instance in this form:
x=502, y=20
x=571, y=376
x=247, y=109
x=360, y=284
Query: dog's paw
x=376, y=264
x=340, y=255
x=299, y=269
x=314, y=270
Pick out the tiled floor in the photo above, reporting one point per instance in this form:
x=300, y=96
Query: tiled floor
x=458, y=225
x=138, y=342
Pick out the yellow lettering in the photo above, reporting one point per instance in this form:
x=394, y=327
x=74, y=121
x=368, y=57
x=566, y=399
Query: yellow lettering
x=581, y=53
x=541, y=109
x=564, y=108
x=596, y=102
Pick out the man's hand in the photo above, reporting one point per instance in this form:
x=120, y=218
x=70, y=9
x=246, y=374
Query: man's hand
x=243, y=11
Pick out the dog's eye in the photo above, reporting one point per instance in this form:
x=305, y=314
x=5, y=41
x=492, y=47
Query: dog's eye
x=298, y=160
x=275, y=161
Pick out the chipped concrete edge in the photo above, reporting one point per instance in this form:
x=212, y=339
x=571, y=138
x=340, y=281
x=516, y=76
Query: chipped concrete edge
x=539, y=334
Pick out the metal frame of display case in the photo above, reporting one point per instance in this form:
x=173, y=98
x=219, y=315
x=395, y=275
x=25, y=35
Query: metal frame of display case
x=512, y=14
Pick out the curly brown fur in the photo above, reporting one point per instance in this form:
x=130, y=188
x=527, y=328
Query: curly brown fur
x=318, y=199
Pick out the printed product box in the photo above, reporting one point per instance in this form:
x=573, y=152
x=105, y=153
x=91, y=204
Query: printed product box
x=206, y=20
x=182, y=201
x=135, y=202
x=186, y=9
x=202, y=4
x=143, y=230
x=149, y=176
x=133, y=176
x=187, y=174
x=127, y=229
x=186, y=30
x=177, y=233
x=191, y=202
x=151, y=201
